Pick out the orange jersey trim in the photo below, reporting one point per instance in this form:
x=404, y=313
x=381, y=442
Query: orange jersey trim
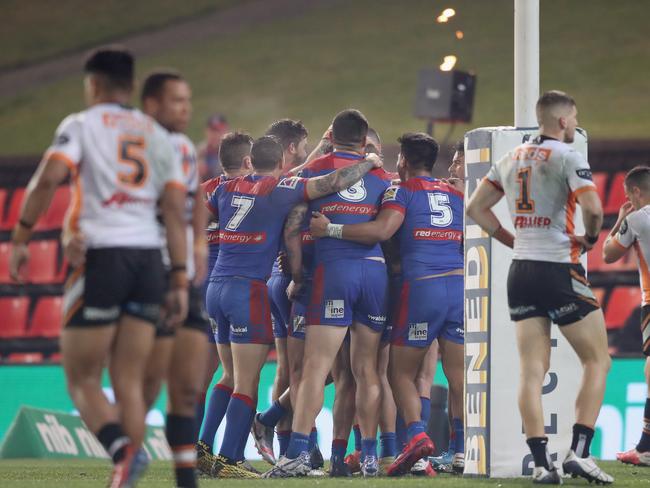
x=175, y=184
x=493, y=183
x=571, y=227
x=644, y=271
x=618, y=243
x=584, y=189
x=59, y=156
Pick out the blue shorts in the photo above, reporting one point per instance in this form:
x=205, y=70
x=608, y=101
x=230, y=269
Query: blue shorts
x=280, y=304
x=392, y=307
x=430, y=309
x=240, y=309
x=299, y=311
x=346, y=291
x=212, y=259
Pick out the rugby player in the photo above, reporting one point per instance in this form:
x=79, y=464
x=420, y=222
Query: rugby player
x=632, y=228
x=356, y=304
x=122, y=163
x=542, y=181
x=428, y=217
x=235, y=150
x=253, y=209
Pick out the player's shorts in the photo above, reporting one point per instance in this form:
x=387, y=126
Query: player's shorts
x=346, y=291
x=113, y=282
x=197, y=317
x=299, y=312
x=392, y=306
x=430, y=309
x=645, y=329
x=240, y=308
x=280, y=304
x=558, y=291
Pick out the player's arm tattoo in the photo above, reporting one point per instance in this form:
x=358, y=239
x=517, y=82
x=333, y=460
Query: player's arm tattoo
x=338, y=180
x=293, y=240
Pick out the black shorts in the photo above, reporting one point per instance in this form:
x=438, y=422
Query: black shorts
x=558, y=291
x=645, y=329
x=113, y=282
x=197, y=317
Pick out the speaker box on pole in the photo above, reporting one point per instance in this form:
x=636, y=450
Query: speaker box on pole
x=445, y=96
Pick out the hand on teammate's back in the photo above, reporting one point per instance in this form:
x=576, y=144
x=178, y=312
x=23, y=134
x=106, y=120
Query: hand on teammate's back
x=318, y=225
x=375, y=160
x=294, y=290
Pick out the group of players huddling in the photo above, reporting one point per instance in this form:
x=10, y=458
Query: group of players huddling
x=355, y=274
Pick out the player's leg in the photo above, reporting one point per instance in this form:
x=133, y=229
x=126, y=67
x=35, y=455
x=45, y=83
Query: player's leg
x=343, y=412
x=211, y=366
x=453, y=364
x=640, y=454
x=388, y=412
x=157, y=367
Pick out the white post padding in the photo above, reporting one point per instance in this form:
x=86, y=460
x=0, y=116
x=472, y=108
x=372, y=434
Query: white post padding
x=526, y=62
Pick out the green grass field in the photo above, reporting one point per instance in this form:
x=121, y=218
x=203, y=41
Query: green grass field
x=367, y=53
x=55, y=474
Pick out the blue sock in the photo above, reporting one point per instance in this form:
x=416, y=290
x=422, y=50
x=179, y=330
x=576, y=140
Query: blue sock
x=242, y=442
x=199, y=412
x=459, y=434
x=452, y=439
x=297, y=444
x=219, y=399
x=313, y=438
x=274, y=413
x=400, y=433
x=238, y=424
x=387, y=443
x=425, y=412
x=368, y=448
x=283, y=440
x=415, y=428
x=357, y=437
x=644, y=443
x=338, y=448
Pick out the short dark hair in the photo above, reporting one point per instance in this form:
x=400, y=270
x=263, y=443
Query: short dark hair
x=154, y=83
x=459, y=147
x=233, y=148
x=639, y=177
x=552, y=98
x=266, y=153
x=114, y=63
x=349, y=127
x=287, y=131
x=420, y=150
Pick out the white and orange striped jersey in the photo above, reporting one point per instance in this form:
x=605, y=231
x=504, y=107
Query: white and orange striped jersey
x=121, y=161
x=635, y=231
x=541, y=181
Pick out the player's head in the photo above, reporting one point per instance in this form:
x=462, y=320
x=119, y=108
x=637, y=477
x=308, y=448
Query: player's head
x=457, y=166
x=216, y=126
x=557, y=115
x=167, y=97
x=109, y=75
x=373, y=142
x=349, y=129
x=235, y=152
x=292, y=134
x=418, y=153
x=637, y=186
x=267, y=155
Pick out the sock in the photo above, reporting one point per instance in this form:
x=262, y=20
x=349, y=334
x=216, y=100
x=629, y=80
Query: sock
x=387, y=443
x=181, y=434
x=425, y=412
x=114, y=440
x=338, y=448
x=200, y=412
x=238, y=424
x=400, y=433
x=644, y=443
x=539, y=451
x=272, y=416
x=452, y=439
x=297, y=444
x=283, y=440
x=414, y=428
x=368, y=447
x=217, y=406
x=581, y=442
x=459, y=435
x=313, y=439
x=357, y=437
x=242, y=442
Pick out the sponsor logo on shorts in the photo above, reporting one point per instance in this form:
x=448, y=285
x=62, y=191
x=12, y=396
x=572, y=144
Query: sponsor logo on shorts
x=334, y=309
x=214, y=326
x=238, y=329
x=524, y=222
x=563, y=310
x=348, y=208
x=460, y=331
x=418, y=332
x=226, y=237
x=437, y=235
x=94, y=313
x=522, y=310
x=299, y=324
x=379, y=319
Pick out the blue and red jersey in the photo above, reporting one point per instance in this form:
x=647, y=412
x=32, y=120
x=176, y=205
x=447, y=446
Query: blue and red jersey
x=357, y=204
x=431, y=236
x=212, y=230
x=251, y=211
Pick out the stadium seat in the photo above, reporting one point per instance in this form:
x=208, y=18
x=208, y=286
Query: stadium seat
x=13, y=311
x=53, y=218
x=11, y=217
x=600, y=180
x=42, y=264
x=24, y=357
x=616, y=196
x=623, y=301
x=47, y=318
x=3, y=201
x=5, y=250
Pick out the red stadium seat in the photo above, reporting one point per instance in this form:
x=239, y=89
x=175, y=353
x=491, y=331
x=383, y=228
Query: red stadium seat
x=11, y=217
x=600, y=180
x=616, y=196
x=5, y=250
x=3, y=201
x=47, y=318
x=13, y=316
x=53, y=218
x=623, y=301
x=41, y=267
x=25, y=357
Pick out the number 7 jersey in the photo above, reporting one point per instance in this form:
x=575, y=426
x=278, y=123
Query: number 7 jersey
x=541, y=181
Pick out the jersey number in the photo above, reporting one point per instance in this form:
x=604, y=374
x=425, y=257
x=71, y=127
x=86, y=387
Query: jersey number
x=355, y=193
x=244, y=205
x=131, y=153
x=441, y=214
x=525, y=204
